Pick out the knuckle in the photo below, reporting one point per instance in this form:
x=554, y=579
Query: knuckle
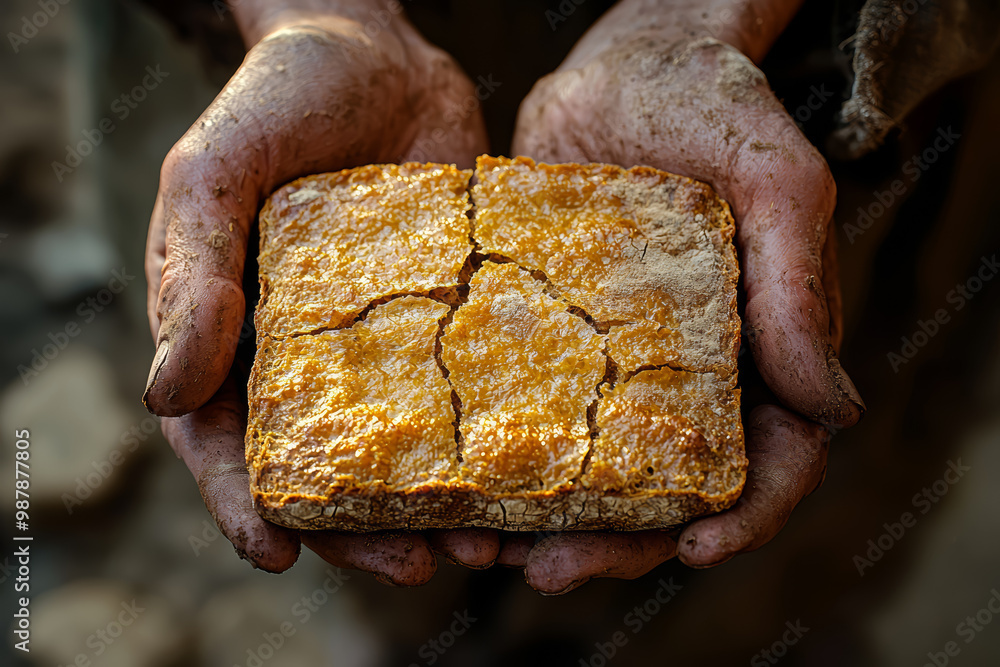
x=824, y=177
x=306, y=35
x=349, y=46
x=180, y=156
x=174, y=158
x=215, y=481
x=822, y=184
x=170, y=287
x=169, y=170
x=819, y=189
x=182, y=167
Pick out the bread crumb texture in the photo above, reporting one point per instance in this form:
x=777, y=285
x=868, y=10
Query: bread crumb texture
x=554, y=348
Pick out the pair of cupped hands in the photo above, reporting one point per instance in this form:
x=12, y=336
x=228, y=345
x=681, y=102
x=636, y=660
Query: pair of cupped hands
x=645, y=86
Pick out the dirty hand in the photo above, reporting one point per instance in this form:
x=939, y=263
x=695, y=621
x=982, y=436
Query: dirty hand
x=672, y=84
x=326, y=85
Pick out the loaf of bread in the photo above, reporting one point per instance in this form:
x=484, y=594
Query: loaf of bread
x=553, y=348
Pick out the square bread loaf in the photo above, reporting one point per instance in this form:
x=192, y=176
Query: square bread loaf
x=553, y=348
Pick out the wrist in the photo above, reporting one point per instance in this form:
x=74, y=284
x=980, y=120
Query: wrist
x=751, y=26
x=258, y=18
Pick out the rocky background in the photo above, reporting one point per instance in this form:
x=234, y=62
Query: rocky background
x=893, y=558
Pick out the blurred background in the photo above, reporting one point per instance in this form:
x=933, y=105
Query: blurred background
x=127, y=568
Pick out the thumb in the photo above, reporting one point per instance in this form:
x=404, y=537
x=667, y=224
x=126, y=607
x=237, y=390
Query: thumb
x=281, y=115
x=211, y=183
x=197, y=249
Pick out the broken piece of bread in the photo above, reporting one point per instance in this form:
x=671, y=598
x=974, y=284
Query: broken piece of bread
x=565, y=358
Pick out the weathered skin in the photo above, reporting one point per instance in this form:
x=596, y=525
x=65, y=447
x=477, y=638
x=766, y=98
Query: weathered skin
x=473, y=547
x=562, y=562
x=314, y=94
x=652, y=84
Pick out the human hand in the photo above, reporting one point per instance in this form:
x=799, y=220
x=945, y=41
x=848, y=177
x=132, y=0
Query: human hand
x=319, y=90
x=648, y=85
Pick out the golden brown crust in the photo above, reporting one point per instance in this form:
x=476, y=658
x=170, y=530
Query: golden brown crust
x=380, y=230
x=525, y=371
x=668, y=430
x=323, y=415
x=648, y=253
x=589, y=351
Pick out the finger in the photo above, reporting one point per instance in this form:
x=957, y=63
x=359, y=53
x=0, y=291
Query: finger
x=787, y=462
x=394, y=558
x=472, y=547
x=515, y=549
x=210, y=441
x=562, y=562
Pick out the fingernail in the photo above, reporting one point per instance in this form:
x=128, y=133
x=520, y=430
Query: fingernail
x=158, y=361
x=845, y=385
x=704, y=566
x=447, y=555
x=508, y=564
x=471, y=566
x=572, y=585
x=385, y=579
x=454, y=559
